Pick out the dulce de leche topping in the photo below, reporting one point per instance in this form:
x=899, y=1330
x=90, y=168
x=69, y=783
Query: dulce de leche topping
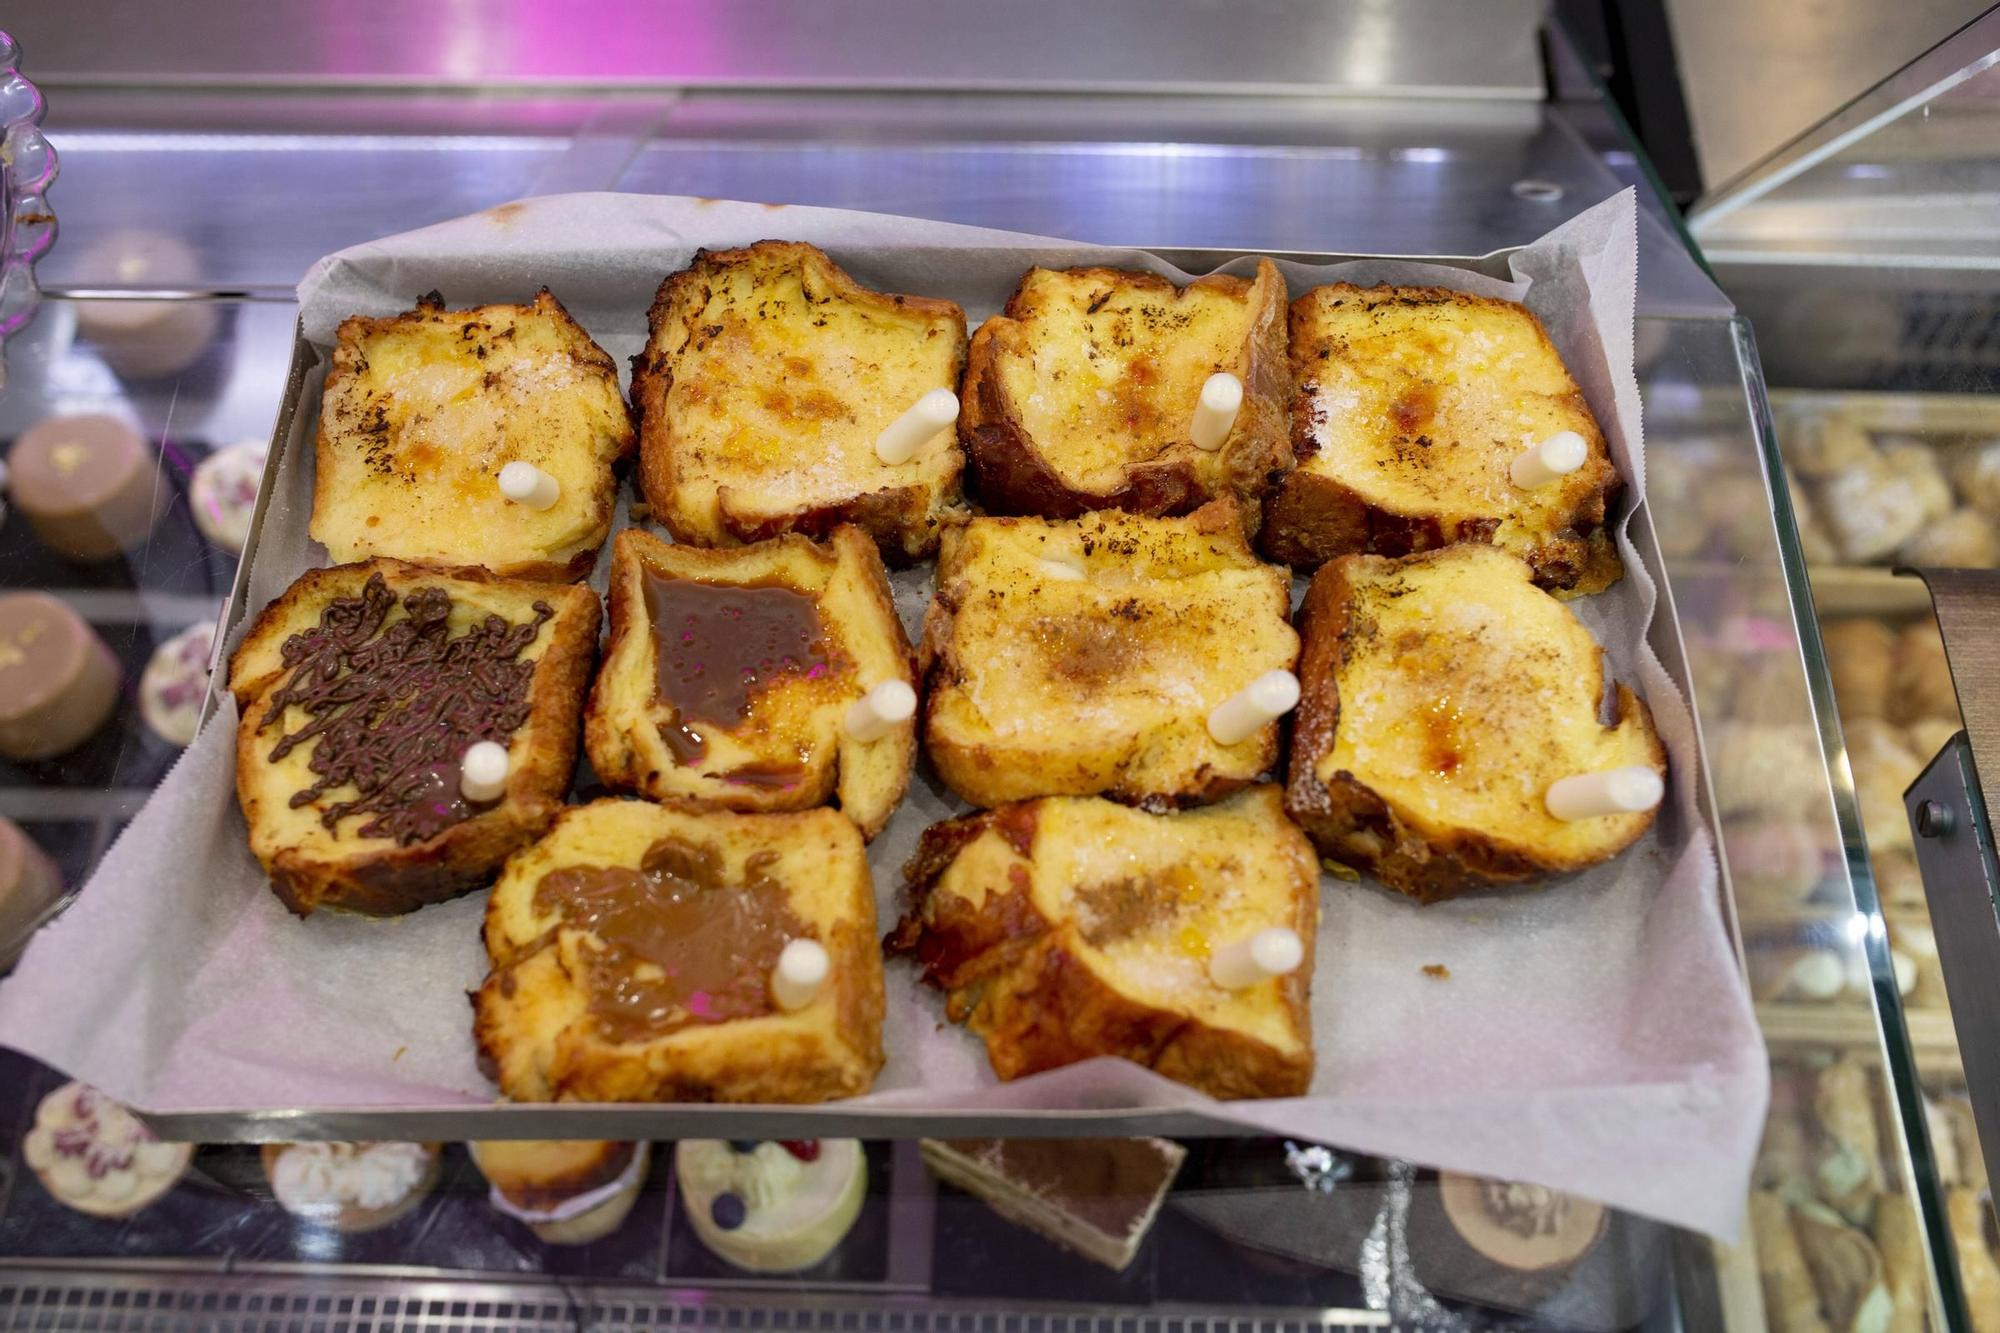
x=681, y=943
x=716, y=646
x=393, y=710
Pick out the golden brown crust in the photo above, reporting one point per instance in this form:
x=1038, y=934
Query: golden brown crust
x=903, y=520
x=336, y=523
x=1159, y=756
x=1352, y=824
x=1022, y=982
x=385, y=879
x=622, y=719
x=530, y=1017
x=539, y=1176
x=1013, y=472
x=1310, y=518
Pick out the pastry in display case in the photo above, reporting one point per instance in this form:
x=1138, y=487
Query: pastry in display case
x=87, y=484
x=1098, y=1197
x=768, y=1206
x=94, y=1156
x=351, y=1187
x=59, y=682
x=569, y=1192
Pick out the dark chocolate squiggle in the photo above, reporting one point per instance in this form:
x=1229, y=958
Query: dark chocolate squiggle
x=394, y=710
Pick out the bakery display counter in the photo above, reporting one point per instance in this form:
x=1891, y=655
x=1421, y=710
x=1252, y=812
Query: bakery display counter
x=1849, y=1203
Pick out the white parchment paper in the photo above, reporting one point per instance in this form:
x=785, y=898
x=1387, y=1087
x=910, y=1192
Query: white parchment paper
x=1593, y=1035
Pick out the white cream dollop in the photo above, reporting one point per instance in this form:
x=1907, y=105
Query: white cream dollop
x=317, y=1178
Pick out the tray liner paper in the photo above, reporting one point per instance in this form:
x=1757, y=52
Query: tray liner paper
x=1593, y=1035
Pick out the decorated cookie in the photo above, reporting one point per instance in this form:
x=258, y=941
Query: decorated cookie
x=175, y=682
x=224, y=493
x=350, y=1186
x=772, y=1207
x=93, y=1155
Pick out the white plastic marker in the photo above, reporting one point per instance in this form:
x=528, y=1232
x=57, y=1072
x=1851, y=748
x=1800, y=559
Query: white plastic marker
x=1215, y=411
x=802, y=969
x=1062, y=571
x=876, y=713
x=526, y=484
x=1265, y=699
x=482, y=771
x=1268, y=953
x=1558, y=456
x=901, y=438
x=1615, y=791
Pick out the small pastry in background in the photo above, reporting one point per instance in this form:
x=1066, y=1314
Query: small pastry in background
x=145, y=339
x=1943, y=1133
x=1848, y=1174
x=1768, y=768
x=94, y=1156
x=1962, y=539
x=1777, y=861
x=224, y=493
x=1812, y=976
x=29, y=886
x=1823, y=446
x=1785, y=1154
x=88, y=485
x=1975, y=471
x=1912, y=939
x=1871, y=511
x=1791, y=1303
x=1529, y=1228
x=1847, y=1270
x=568, y=1192
x=771, y=1207
x=58, y=680
x=175, y=682
x=1915, y=463
x=1098, y=1197
x=351, y=1187
x=1965, y=1137
x=1884, y=767
x=1861, y=659
x=1978, y=1275
x=1674, y=481
x=1738, y=509
x=1898, y=885
x=1922, y=686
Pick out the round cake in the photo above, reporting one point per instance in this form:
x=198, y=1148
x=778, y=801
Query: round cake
x=86, y=484
x=1527, y=1228
x=350, y=1186
x=224, y=493
x=29, y=887
x=772, y=1207
x=145, y=339
x=58, y=680
x=568, y=1192
x=93, y=1155
x=175, y=682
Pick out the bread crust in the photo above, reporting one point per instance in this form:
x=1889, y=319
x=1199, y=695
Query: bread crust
x=1019, y=980
x=1310, y=518
x=1353, y=825
x=350, y=360
x=867, y=781
x=1013, y=474
x=903, y=520
x=386, y=879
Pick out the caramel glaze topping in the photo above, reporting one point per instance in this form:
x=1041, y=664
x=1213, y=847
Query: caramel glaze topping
x=678, y=942
x=717, y=645
x=393, y=710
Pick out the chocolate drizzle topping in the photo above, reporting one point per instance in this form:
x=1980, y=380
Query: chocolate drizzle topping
x=392, y=710
x=716, y=646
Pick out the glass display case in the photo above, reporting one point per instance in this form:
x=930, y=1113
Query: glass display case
x=174, y=317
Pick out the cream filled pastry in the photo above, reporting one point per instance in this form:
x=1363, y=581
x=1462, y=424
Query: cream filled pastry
x=94, y=1156
x=772, y=1207
x=350, y=1186
x=224, y=493
x=175, y=682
